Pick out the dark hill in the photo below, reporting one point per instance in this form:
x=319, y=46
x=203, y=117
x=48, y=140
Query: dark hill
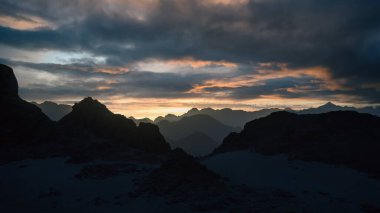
x=92, y=117
x=342, y=138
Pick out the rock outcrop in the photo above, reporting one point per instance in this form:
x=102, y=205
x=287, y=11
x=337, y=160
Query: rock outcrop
x=344, y=138
x=20, y=120
x=8, y=82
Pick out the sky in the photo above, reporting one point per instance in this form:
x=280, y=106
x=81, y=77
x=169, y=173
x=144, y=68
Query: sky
x=152, y=57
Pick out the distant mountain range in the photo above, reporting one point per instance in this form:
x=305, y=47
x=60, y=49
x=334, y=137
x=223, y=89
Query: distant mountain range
x=330, y=107
x=54, y=111
x=227, y=116
x=240, y=117
x=178, y=133
x=142, y=120
x=213, y=124
x=197, y=123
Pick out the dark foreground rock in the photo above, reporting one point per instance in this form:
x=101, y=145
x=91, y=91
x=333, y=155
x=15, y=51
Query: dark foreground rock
x=344, y=138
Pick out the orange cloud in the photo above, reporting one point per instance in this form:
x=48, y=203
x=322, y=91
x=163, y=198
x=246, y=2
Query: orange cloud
x=321, y=74
x=29, y=23
x=189, y=61
x=113, y=70
x=227, y=2
x=180, y=65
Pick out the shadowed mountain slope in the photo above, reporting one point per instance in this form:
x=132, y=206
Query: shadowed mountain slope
x=342, y=138
x=91, y=116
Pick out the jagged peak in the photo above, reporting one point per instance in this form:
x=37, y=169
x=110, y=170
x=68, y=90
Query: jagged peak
x=8, y=82
x=192, y=110
x=89, y=104
x=170, y=116
x=207, y=109
x=49, y=103
x=328, y=104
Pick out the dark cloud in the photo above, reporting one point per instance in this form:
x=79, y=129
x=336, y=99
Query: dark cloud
x=341, y=35
x=76, y=82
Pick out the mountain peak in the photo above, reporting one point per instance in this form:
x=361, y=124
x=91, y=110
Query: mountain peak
x=89, y=104
x=329, y=104
x=87, y=110
x=8, y=82
x=170, y=116
x=193, y=110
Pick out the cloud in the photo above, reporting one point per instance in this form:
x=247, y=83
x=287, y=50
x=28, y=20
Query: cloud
x=207, y=49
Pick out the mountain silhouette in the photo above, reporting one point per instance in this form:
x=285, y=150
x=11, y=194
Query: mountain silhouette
x=240, y=117
x=8, y=82
x=232, y=117
x=143, y=120
x=53, y=110
x=330, y=107
x=89, y=131
x=20, y=121
x=198, y=123
x=91, y=116
x=168, y=117
x=196, y=144
x=226, y=116
x=345, y=138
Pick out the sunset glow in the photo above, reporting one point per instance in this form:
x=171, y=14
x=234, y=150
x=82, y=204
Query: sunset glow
x=152, y=57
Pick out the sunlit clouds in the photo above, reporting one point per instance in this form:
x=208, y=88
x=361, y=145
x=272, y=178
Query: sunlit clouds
x=152, y=57
x=185, y=65
x=318, y=76
x=25, y=23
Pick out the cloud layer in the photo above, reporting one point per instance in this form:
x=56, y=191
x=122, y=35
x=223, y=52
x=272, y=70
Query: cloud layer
x=246, y=51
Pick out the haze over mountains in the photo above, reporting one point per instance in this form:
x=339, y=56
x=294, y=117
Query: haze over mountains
x=54, y=111
x=196, y=144
x=177, y=133
x=207, y=127
x=227, y=116
x=96, y=160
